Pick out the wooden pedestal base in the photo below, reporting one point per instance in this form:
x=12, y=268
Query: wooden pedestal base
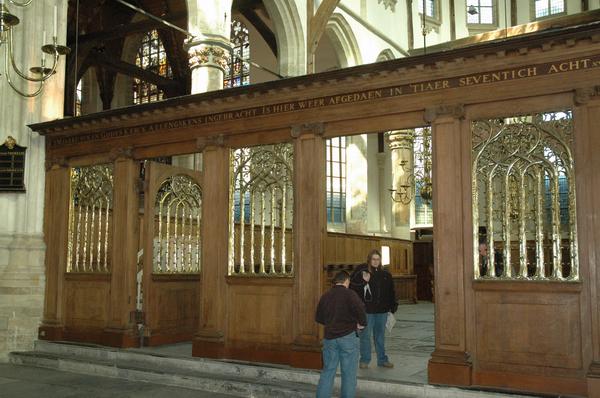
x=50, y=332
x=450, y=368
x=593, y=380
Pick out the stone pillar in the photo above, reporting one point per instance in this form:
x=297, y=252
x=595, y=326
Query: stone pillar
x=356, y=184
x=208, y=59
x=210, y=337
x=401, y=146
x=310, y=226
x=449, y=363
x=121, y=329
x=385, y=215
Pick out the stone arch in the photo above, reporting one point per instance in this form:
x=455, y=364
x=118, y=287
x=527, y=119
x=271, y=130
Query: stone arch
x=342, y=37
x=291, y=40
x=385, y=55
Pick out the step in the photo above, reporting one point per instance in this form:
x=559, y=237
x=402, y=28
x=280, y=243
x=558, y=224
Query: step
x=219, y=376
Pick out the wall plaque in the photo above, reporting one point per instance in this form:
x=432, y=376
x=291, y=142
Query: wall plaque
x=12, y=166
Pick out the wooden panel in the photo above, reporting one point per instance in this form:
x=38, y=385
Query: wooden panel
x=87, y=303
x=174, y=310
x=529, y=329
x=353, y=249
x=406, y=288
x=260, y=315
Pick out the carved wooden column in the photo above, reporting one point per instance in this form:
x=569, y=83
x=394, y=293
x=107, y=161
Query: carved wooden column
x=56, y=231
x=309, y=232
x=586, y=148
x=449, y=363
x=210, y=337
x=121, y=327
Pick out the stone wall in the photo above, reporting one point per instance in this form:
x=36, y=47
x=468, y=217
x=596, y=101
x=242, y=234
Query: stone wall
x=21, y=291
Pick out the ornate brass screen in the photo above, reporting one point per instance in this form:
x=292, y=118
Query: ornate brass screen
x=177, y=241
x=90, y=219
x=261, y=211
x=523, y=180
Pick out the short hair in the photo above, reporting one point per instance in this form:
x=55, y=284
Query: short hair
x=341, y=277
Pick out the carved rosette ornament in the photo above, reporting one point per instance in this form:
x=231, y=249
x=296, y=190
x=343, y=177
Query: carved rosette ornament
x=208, y=55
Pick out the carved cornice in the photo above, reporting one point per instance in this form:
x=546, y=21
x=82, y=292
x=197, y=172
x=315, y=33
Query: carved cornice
x=213, y=141
x=452, y=111
x=308, y=128
x=121, y=153
x=581, y=96
x=56, y=162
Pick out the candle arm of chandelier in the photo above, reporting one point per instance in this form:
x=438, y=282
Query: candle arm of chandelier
x=24, y=4
x=24, y=94
x=23, y=75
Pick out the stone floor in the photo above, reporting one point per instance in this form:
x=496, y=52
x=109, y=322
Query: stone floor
x=26, y=382
x=408, y=346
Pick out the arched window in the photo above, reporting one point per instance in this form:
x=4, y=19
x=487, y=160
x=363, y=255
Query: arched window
x=151, y=56
x=237, y=71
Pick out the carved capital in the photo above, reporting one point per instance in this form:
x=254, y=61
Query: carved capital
x=213, y=141
x=400, y=139
x=453, y=111
x=56, y=162
x=308, y=128
x=208, y=55
x=582, y=96
x=121, y=153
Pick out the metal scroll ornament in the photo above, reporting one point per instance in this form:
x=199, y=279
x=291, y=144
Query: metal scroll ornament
x=177, y=242
x=90, y=219
x=523, y=187
x=261, y=202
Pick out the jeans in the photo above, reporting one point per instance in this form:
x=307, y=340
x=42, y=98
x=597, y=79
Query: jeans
x=343, y=350
x=375, y=326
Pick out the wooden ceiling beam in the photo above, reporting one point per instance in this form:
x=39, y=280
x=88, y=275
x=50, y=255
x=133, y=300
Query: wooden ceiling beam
x=128, y=69
x=262, y=28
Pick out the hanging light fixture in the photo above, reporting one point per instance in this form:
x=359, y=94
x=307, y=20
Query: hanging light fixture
x=38, y=74
x=472, y=10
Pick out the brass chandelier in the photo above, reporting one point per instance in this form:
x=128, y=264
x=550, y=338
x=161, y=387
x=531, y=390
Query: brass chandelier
x=38, y=74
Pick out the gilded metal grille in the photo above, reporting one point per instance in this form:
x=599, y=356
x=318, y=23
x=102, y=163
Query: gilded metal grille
x=523, y=180
x=90, y=219
x=261, y=211
x=178, y=211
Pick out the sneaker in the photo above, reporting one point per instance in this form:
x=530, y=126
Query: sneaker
x=363, y=365
x=386, y=365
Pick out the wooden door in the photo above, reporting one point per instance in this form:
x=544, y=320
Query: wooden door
x=172, y=252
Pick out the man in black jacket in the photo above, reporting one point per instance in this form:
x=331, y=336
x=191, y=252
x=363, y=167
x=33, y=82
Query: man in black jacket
x=343, y=314
x=375, y=287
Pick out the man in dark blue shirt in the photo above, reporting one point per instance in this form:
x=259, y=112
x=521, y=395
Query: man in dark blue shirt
x=343, y=314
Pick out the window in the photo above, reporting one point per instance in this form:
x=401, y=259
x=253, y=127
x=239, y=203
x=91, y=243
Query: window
x=237, y=71
x=481, y=12
x=336, y=180
x=547, y=8
x=430, y=8
x=152, y=57
x=422, y=170
x=78, y=95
